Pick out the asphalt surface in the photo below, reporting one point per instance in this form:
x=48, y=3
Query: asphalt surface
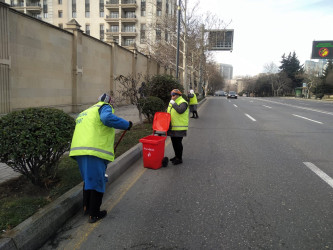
x=257, y=174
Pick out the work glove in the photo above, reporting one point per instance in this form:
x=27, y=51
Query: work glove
x=130, y=125
x=172, y=101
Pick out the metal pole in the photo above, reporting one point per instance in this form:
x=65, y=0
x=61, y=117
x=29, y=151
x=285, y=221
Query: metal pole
x=201, y=61
x=178, y=34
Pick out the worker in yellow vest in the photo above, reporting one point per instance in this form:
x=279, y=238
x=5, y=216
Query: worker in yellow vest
x=193, y=104
x=178, y=109
x=92, y=148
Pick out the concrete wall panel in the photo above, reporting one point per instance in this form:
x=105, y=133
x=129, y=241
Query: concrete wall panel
x=46, y=66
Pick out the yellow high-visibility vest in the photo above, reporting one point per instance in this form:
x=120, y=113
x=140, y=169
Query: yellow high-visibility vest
x=178, y=121
x=91, y=136
x=193, y=100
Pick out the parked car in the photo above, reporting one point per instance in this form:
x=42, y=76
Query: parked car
x=232, y=94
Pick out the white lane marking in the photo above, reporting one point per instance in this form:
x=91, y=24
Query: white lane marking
x=307, y=119
x=320, y=173
x=290, y=105
x=235, y=105
x=250, y=117
x=267, y=106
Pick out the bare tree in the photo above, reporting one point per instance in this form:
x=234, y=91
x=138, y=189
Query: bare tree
x=281, y=83
x=130, y=90
x=271, y=69
x=213, y=76
x=194, y=53
x=312, y=81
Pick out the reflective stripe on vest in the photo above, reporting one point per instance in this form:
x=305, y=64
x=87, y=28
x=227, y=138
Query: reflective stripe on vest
x=178, y=121
x=193, y=100
x=91, y=136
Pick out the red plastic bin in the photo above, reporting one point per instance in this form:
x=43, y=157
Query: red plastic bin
x=152, y=145
x=153, y=151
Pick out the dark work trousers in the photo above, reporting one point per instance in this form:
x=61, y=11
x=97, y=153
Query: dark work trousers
x=92, y=200
x=177, y=146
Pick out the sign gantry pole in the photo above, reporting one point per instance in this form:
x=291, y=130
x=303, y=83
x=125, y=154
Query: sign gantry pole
x=178, y=35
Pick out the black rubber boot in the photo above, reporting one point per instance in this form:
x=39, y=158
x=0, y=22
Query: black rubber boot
x=95, y=205
x=86, y=198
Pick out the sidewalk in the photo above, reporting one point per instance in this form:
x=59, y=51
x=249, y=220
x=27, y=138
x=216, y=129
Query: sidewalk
x=128, y=112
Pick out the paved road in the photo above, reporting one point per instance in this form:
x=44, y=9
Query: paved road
x=257, y=174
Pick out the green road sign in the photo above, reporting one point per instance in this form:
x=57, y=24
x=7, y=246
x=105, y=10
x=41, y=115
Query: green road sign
x=322, y=50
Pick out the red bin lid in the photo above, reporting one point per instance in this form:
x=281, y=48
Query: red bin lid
x=161, y=121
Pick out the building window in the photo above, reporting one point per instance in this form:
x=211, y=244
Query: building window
x=45, y=15
x=101, y=8
x=60, y=13
x=159, y=8
x=114, y=28
x=101, y=31
x=88, y=29
x=74, y=8
x=167, y=8
x=87, y=8
x=59, y=2
x=129, y=28
x=130, y=14
x=128, y=41
x=45, y=7
x=143, y=7
x=60, y=25
x=114, y=15
x=166, y=36
x=158, y=34
x=143, y=33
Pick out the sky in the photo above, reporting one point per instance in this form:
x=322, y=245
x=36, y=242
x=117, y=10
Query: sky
x=264, y=30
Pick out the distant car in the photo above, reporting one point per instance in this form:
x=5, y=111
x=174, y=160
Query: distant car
x=232, y=94
x=219, y=93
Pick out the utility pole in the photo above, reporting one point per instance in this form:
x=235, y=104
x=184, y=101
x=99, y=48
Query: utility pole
x=201, y=59
x=185, y=52
x=178, y=35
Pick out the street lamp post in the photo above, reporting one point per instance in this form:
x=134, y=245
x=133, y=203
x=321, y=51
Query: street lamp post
x=178, y=35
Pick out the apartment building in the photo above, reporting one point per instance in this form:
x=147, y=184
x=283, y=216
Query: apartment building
x=126, y=22
x=315, y=67
x=226, y=71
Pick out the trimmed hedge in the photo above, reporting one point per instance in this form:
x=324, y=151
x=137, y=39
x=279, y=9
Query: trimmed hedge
x=161, y=86
x=33, y=140
x=150, y=106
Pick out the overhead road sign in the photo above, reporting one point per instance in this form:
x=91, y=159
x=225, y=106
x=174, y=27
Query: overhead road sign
x=322, y=50
x=220, y=39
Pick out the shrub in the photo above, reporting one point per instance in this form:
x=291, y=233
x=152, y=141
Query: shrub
x=150, y=106
x=161, y=86
x=33, y=140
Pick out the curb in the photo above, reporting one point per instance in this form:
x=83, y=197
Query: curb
x=37, y=229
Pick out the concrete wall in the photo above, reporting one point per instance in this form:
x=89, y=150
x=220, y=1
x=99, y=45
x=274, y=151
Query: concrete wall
x=42, y=65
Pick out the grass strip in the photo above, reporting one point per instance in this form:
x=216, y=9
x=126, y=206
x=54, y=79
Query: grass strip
x=19, y=199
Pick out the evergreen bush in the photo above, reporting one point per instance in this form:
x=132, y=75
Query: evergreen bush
x=161, y=86
x=33, y=140
x=150, y=106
